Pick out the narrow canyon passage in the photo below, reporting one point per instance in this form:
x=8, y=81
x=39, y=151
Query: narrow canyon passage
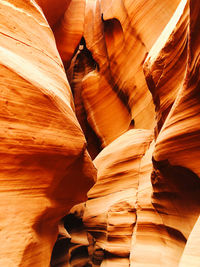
x=100, y=135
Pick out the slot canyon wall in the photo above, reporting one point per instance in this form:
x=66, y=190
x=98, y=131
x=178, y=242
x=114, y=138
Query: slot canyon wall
x=100, y=133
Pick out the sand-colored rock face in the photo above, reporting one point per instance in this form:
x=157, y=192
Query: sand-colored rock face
x=112, y=42
x=43, y=150
x=53, y=12
x=143, y=217
x=121, y=79
x=111, y=214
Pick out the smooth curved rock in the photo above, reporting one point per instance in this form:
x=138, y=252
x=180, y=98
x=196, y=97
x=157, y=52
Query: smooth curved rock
x=69, y=31
x=191, y=253
x=43, y=150
x=165, y=65
x=181, y=129
x=133, y=72
x=166, y=204
x=110, y=214
x=53, y=12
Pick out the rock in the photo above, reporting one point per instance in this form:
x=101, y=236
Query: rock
x=53, y=12
x=162, y=210
x=69, y=31
x=165, y=65
x=180, y=131
x=111, y=211
x=110, y=214
x=42, y=145
x=116, y=82
x=190, y=255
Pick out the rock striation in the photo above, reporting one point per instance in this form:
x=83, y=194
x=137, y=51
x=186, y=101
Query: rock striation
x=42, y=144
x=164, y=203
x=104, y=91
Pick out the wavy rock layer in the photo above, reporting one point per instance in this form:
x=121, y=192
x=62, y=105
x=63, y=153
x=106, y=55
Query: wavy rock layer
x=110, y=214
x=146, y=215
x=114, y=38
x=42, y=145
x=133, y=72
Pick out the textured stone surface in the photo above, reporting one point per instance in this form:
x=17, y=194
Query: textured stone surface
x=121, y=79
x=42, y=145
x=160, y=207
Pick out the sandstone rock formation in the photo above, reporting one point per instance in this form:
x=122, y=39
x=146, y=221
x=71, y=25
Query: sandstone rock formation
x=42, y=145
x=118, y=82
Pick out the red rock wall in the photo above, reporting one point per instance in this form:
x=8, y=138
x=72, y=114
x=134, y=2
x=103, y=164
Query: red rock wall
x=120, y=80
x=43, y=152
x=141, y=216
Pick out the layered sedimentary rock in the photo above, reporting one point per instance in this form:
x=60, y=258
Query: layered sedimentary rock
x=190, y=255
x=165, y=66
x=112, y=41
x=132, y=100
x=42, y=144
x=184, y=115
x=69, y=30
x=52, y=12
x=110, y=214
x=161, y=59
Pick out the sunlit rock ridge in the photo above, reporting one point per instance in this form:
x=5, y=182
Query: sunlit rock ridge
x=100, y=133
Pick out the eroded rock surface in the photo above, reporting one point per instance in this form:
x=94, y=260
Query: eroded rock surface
x=165, y=203
x=120, y=80
x=42, y=145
